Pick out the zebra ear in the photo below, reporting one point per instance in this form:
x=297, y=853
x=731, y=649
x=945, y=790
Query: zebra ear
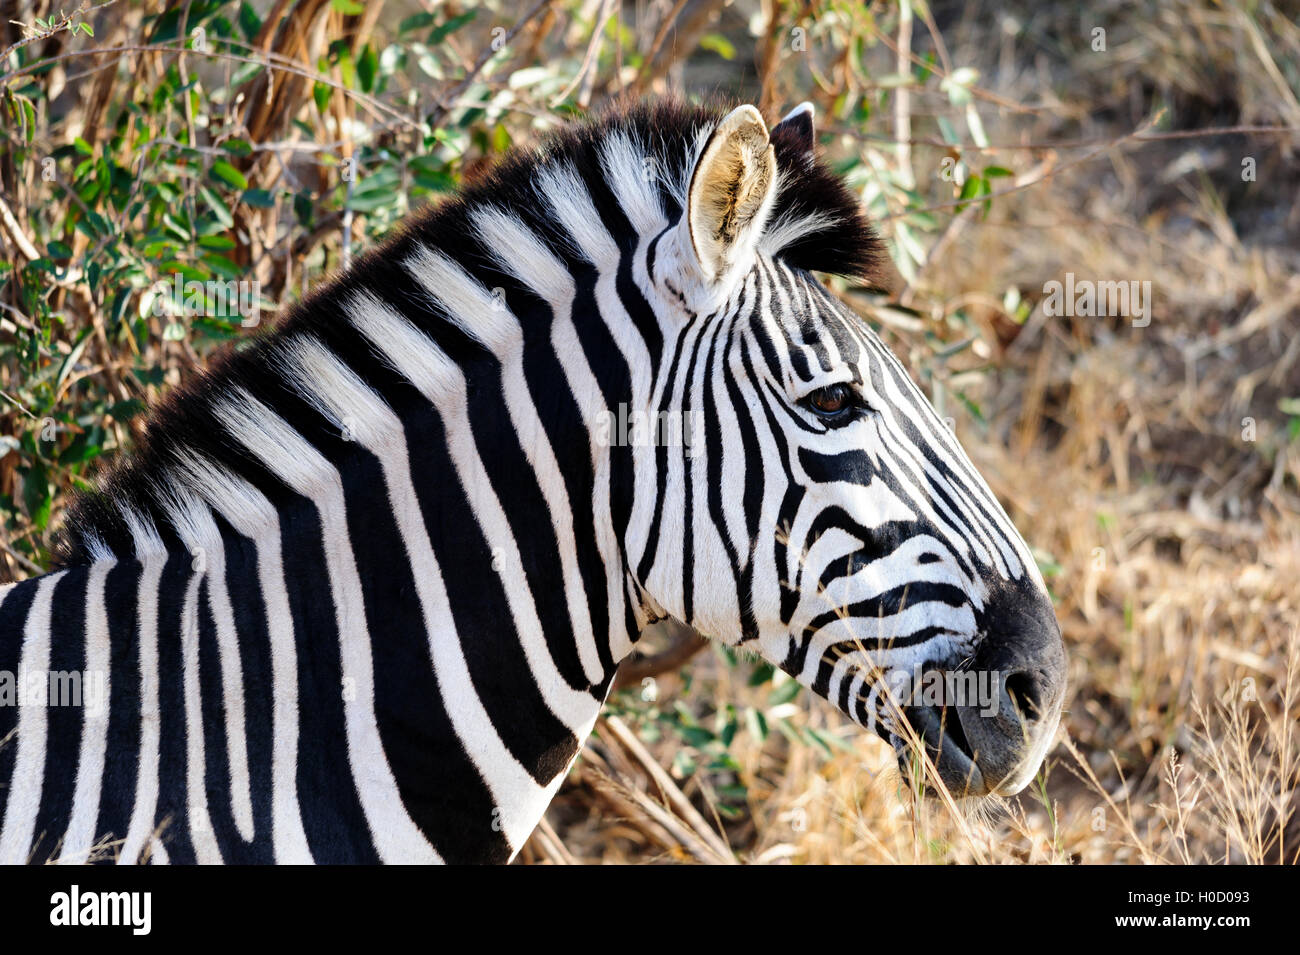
x=731, y=193
x=798, y=126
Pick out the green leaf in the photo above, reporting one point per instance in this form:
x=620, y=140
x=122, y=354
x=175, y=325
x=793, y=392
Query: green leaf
x=83, y=447
x=974, y=187
x=188, y=272
x=229, y=174
x=218, y=207
x=440, y=33
x=71, y=358
x=925, y=69
x=124, y=411
x=221, y=243
x=684, y=764
x=696, y=736
x=222, y=266
x=733, y=792
x=348, y=7
x=368, y=68
x=784, y=693
x=321, y=93
x=258, y=198
x=948, y=131
x=303, y=209
x=36, y=494
x=416, y=21
x=249, y=21
x=217, y=329
x=430, y=173
x=909, y=243
x=94, y=225
x=976, y=126
x=957, y=85
x=789, y=732
x=347, y=70
x=719, y=44
x=378, y=190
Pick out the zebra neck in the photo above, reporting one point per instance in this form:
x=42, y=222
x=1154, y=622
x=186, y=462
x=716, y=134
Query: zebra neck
x=401, y=493
x=466, y=515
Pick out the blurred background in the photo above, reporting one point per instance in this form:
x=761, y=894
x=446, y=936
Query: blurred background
x=1149, y=450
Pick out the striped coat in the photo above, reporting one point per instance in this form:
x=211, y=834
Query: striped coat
x=361, y=593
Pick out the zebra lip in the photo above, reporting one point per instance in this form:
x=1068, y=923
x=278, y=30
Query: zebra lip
x=945, y=743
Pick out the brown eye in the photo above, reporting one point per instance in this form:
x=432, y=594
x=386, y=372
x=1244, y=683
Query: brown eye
x=831, y=401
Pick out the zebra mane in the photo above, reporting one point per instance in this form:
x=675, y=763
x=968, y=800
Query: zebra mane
x=816, y=225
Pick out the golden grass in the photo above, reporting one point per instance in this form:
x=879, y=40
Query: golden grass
x=1153, y=465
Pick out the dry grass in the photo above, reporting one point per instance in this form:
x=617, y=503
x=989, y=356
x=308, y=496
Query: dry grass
x=1126, y=454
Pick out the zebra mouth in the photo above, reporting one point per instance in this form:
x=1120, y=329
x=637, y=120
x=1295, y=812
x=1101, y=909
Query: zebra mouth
x=940, y=731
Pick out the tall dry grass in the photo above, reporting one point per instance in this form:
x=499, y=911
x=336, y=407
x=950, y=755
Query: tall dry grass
x=1155, y=468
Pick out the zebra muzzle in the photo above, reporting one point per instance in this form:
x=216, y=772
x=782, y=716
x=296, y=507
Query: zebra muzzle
x=992, y=729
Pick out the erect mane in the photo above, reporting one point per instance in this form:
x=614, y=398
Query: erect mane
x=816, y=225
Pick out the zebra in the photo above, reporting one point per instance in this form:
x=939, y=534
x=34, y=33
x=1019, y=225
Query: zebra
x=360, y=591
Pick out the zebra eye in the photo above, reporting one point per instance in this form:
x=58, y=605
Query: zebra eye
x=832, y=402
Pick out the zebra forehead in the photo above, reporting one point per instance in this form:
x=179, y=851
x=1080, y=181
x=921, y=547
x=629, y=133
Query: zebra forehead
x=807, y=311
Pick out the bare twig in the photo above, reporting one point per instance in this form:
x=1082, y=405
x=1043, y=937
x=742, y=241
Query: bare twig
x=685, y=644
x=903, y=97
x=627, y=739
x=66, y=21
x=661, y=35
x=16, y=233
x=440, y=111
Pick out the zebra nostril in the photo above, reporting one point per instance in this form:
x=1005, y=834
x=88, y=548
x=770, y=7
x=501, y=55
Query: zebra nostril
x=1026, y=695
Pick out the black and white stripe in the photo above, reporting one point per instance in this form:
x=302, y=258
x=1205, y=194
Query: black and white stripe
x=361, y=593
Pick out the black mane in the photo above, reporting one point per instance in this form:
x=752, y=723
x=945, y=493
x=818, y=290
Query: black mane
x=184, y=420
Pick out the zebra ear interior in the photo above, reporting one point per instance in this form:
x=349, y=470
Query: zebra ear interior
x=798, y=127
x=731, y=193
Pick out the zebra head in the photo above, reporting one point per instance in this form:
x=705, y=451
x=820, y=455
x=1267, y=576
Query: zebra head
x=822, y=514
